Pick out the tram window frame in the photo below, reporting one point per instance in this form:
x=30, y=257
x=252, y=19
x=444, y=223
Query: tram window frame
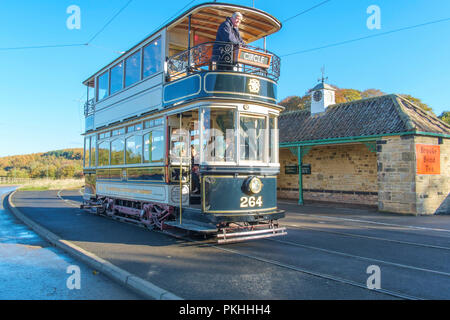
x=87, y=155
x=99, y=146
x=135, y=138
x=93, y=153
x=121, y=76
x=159, y=66
x=104, y=135
x=148, y=156
x=122, y=159
x=118, y=132
x=139, y=71
x=273, y=158
x=134, y=128
x=203, y=146
x=264, y=153
x=97, y=89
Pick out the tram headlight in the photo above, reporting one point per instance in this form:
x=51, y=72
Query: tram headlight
x=255, y=185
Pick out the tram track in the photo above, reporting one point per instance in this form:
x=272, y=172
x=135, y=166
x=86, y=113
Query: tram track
x=298, y=269
x=210, y=244
x=394, y=264
x=368, y=237
x=317, y=216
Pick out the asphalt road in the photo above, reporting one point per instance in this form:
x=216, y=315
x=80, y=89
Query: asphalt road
x=326, y=254
x=31, y=269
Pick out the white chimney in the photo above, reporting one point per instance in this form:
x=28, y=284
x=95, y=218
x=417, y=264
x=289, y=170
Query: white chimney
x=322, y=96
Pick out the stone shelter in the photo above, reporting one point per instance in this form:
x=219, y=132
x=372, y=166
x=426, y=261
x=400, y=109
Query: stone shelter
x=382, y=151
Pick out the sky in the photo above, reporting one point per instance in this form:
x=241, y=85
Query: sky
x=42, y=95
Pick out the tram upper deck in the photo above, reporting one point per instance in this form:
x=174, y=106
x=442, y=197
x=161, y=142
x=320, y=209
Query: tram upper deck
x=178, y=64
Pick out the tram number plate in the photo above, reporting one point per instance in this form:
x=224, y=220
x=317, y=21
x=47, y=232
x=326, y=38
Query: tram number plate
x=251, y=202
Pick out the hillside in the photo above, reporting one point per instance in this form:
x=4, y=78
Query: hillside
x=59, y=164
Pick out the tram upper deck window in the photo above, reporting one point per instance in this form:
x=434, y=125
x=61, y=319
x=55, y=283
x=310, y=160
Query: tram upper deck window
x=116, y=78
x=152, y=58
x=103, y=86
x=133, y=69
x=218, y=135
x=252, y=138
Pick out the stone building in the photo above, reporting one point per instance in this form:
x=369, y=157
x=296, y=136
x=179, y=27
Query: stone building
x=382, y=151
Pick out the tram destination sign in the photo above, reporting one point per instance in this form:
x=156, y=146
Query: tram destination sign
x=254, y=58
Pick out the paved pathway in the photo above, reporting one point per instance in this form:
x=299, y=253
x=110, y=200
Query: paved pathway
x=31, y=269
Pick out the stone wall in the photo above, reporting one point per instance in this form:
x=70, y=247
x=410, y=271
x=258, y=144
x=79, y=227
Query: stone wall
x=339, y=173
x=351, y=173
x=401, y=188
x=433, y=191
x=396, y=174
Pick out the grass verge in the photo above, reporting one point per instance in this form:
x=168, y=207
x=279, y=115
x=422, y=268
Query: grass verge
x=44, y=184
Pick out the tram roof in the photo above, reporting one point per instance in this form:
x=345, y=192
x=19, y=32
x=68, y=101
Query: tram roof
x=206, y=19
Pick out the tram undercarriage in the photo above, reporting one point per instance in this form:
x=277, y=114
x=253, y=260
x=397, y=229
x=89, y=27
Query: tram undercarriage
x=157, y=216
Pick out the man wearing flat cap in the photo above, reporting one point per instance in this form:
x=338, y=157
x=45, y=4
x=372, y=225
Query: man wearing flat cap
x=228, y=32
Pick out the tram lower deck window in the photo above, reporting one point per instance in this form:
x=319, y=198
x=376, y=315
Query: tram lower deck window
x=133, y=153
x=218, y=135
x=117, y=152
x=154, y=147
x=103, y=154
x=252, y=138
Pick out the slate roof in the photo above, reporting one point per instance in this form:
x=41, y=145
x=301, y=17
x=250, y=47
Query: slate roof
x=386, y=114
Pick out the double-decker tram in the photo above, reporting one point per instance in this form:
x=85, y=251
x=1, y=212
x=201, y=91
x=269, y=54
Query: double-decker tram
x=181, y=130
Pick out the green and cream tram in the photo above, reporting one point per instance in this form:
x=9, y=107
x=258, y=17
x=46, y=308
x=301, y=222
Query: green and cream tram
x=178, y=137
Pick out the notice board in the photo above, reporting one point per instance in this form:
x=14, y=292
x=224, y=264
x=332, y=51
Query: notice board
x=428, y=159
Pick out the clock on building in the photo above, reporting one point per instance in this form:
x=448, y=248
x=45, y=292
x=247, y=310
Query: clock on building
x=317, y=96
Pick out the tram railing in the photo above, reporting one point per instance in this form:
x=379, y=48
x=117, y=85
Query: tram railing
x=224, y=56
x=89, y=107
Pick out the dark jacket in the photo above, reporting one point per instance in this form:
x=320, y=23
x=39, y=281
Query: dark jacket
x=230, y=34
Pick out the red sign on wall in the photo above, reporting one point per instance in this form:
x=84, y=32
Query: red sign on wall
x=428, y=159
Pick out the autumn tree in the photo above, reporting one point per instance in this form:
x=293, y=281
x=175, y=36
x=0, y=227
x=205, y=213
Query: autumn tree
x=445, y=116
x=370, y=93
x=417, y=102
x=55, y=164
x=292, y=103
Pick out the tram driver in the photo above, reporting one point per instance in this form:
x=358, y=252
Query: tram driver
x=228, y=32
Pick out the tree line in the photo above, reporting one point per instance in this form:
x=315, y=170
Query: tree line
x=60, y=164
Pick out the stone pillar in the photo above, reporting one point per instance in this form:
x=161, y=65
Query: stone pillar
x=397, y=174
x=433, y=190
